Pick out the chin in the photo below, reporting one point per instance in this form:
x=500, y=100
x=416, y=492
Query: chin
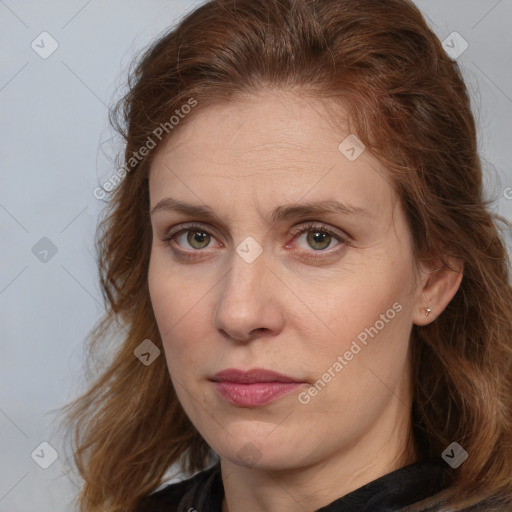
x=250, y=450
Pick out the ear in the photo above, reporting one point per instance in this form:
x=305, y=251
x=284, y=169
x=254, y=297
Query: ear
x=438, y=288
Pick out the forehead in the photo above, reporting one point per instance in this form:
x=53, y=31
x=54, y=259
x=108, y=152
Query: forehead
x=268, y=148
x=260, y=127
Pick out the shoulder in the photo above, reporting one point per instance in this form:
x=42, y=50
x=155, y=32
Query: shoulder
x=178, y=494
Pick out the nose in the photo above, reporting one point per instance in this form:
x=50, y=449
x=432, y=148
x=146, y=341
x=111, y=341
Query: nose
x=248, y=305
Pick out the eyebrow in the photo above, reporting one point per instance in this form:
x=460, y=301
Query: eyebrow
x=278, y=214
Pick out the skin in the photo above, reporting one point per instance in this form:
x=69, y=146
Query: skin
x=286, y=311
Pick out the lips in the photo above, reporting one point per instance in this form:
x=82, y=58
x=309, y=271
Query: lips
x=251, y=376
x=253, y=388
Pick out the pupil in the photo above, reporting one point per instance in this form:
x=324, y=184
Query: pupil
x=197, y=237
x=319, y=237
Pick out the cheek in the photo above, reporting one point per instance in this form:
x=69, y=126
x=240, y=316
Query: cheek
x=168, y=305
x=171, y=294
x=177, y=306
x=369, y=320
x=163, y=300
x=359, y=299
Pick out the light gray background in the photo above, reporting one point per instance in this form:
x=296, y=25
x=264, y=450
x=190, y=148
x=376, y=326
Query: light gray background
x=55, y=150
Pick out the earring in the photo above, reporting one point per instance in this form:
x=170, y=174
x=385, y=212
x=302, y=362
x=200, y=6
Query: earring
x=428, y=311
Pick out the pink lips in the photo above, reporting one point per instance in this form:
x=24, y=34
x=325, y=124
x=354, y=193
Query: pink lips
x=253, y=388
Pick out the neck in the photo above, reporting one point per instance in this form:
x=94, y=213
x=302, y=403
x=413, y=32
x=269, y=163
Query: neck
x=310, y=487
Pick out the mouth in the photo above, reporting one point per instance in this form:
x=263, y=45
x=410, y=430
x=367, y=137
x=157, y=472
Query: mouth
x=253, y=388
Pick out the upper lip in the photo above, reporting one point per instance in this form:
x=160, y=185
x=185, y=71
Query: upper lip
x=253, y=375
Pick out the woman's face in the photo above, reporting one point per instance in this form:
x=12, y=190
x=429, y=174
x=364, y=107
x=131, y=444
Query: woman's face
x=298, y=261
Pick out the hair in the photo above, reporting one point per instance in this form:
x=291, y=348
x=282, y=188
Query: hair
x=407, y=102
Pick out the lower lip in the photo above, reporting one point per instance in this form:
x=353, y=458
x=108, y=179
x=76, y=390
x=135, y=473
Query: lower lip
x=254, y=394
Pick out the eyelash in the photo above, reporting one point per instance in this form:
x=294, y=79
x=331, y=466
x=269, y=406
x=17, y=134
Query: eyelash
x=305, y=228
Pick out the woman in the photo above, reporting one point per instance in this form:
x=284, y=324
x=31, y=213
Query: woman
x=316, y=299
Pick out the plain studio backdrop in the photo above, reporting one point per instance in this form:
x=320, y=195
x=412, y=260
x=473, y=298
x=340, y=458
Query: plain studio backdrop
x=62, y=65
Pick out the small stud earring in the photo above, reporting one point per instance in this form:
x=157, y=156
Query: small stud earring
x=428, y=311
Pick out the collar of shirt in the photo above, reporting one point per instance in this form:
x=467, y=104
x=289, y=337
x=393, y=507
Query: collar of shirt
x=204, y=491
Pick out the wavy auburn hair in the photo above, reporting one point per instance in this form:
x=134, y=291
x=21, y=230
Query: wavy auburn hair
x=407, y=101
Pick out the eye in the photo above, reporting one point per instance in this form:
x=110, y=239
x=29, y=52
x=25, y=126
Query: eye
x=319, y=237
x=195, y=235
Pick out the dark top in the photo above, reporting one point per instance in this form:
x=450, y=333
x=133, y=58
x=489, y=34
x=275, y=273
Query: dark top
x=204, y=492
